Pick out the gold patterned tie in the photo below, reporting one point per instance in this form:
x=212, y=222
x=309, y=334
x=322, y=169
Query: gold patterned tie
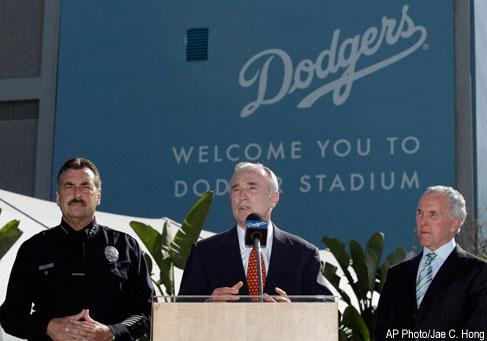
x=252, y=273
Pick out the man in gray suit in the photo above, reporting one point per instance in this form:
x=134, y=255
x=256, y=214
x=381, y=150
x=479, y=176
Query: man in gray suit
x=442, y=292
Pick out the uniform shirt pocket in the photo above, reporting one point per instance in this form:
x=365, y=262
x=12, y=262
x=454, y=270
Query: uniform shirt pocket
x=119, y=269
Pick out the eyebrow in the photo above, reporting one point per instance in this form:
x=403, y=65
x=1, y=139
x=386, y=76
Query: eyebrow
x=251, y=183
x=418, y=210
x=87, y=182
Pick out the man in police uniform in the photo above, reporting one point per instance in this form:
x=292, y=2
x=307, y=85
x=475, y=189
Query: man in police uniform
x=79, y=280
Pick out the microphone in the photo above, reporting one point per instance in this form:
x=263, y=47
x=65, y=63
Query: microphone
x=256, y=235
x=255, y=229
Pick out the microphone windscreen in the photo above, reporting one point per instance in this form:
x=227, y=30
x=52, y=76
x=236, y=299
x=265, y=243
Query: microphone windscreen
x=255, y=228
x=254, y=216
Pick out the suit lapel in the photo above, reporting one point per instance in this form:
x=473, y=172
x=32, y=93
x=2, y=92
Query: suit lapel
x=281, y=258
x=231, y=260
x=410, y=285
x=448, y=270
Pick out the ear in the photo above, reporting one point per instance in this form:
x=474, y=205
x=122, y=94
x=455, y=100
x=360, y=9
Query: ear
x=57, y=197
x=274, y=199
x=99, y=196
x=455, y=227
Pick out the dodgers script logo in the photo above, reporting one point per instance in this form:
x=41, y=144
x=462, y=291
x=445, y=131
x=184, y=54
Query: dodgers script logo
x=339, y=57
x=256, y=224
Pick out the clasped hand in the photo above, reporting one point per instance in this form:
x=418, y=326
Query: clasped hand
x=78, y=327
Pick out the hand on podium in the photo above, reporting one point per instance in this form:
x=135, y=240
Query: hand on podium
x=281, y=296
x=226, y=293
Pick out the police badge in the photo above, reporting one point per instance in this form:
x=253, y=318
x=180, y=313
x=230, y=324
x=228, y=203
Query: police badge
x=111, y=253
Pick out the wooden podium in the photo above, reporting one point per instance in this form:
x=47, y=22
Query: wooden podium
x=244, y=321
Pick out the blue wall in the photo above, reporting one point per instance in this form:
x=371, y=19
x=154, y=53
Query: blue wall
x=128, y=99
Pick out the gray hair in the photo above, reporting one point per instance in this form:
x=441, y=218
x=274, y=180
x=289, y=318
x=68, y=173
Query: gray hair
x=259, y=166
x=457, y=201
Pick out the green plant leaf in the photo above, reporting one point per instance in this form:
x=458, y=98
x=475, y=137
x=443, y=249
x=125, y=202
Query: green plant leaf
x=151, y=239
x=329, y=271
x=395, y=257
x=342, y=335
x=359, y=324
x=373, y=252
x=167, y=276
x=166, y=237
x=352, y=319
x=358, y=263
x=337, y=248
x=9, y=234
x=190, y=230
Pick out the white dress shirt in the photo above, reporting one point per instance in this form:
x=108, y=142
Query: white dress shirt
x=245, y=250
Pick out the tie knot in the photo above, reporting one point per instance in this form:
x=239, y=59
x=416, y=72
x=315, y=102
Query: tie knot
x=430, y=257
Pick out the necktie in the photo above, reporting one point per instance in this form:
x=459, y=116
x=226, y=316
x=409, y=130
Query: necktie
x=252, y=274
x=425, y=277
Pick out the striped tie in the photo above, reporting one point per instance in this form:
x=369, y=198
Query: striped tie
x=425, y=277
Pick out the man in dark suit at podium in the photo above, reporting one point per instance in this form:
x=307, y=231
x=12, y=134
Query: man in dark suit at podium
x=442, y=292
x=219, y=265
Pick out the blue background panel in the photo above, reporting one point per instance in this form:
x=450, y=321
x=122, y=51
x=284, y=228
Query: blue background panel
x=128, y=99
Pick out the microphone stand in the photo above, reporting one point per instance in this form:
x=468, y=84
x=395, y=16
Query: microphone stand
x=259, y=268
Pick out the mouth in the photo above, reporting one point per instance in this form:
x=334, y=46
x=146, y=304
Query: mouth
x=244, y=208
x=76, y=202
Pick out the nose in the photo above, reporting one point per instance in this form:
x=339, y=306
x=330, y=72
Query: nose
x=76, y=191
x=242, y=193
x=420, y=219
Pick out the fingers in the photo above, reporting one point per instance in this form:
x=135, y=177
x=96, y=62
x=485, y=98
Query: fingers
x=267, y=298
x=79, y=327
x=55, y=330
x=76, y=317
x=63, y=329
x=237, y=286
x=226, y=293
x=223, y=295
x=87, y=316
x=223, y=291
x=83, y=326
x=274, y=299
x=282, y=295
x=77, y=333
x=233, y=290
x=282, y=299
x=279, y=291
x=90, y=331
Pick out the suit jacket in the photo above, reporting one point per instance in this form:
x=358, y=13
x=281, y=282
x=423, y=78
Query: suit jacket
x=456, y=298
x=216, y=262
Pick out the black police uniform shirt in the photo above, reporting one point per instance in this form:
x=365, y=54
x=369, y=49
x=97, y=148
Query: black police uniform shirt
x=60, y=271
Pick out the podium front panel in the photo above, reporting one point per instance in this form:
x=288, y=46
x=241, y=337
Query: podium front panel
x=305, y=320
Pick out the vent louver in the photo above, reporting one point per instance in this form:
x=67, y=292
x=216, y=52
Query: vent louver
x=197, y=44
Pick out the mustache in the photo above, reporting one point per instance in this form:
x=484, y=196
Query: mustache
x=76, y=201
